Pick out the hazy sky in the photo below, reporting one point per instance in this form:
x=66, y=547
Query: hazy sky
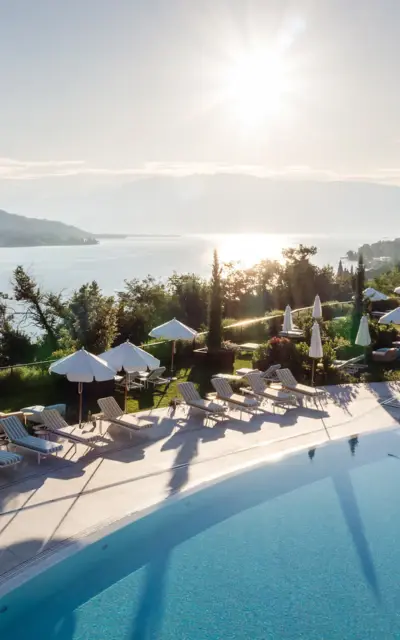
x=95, y=93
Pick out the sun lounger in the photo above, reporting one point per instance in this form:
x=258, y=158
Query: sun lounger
x=270, y=373
x=259, y=389
x=225, y=393
x=193, y=399
x=155, y=377
x=55, y=423
x=289, y=382
x=9, y=459
x=18, y=435
x=113, y=413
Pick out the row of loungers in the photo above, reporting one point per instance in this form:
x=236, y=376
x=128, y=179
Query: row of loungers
x=52, y=420
x=254, y=395
x=252, y=402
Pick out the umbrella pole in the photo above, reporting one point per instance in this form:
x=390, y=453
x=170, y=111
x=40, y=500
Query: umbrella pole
x=126, y=392
x=172, y=356
x=313, y=372
x=80, y=390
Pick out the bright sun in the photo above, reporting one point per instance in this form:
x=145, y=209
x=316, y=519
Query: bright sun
x=255, y=86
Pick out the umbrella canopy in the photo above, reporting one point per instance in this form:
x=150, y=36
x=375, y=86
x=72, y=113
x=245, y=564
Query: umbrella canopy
x=363, y=338
x=374, y=295
x=317, y=308
x=397, y=290
x=83, y=366
x=315, y=350
x=130, y=358
x=392, y=316
x=287, y=320
x=173, y=330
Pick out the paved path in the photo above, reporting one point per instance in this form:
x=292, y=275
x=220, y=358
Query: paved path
x=43, y=506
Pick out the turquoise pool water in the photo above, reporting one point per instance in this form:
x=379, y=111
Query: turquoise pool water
x=307, y=547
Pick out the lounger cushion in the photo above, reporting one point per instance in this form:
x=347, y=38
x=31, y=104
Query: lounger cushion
x=306, y=390
x=7, y=458
x=236, y=398
x=38, y=444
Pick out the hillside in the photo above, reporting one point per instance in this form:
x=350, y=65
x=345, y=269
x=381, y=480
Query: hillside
x=20, y=231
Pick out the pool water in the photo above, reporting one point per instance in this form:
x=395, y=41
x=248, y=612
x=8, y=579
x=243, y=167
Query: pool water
x=307, y=547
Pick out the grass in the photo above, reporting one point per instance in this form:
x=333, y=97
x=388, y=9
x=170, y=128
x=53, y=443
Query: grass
x=28, y=386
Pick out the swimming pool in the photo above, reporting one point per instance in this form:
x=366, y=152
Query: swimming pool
x=306, y=547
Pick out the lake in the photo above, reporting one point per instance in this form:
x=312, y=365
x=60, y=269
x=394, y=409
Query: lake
x=112, y=261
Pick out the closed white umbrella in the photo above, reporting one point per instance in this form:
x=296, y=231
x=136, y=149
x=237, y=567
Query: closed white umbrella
x=81, y=367
x=315, y=351
x=363, y=338
x=173, y=330
x=392, y=316
x=397, y=290
x=317, y=308
x=287, y=320
x=129, y=357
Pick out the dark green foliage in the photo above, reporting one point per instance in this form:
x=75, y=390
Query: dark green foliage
x=358, y=297
x=91, y=318
x=214, y=336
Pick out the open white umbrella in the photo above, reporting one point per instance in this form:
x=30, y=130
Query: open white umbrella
x=129, y=357
x=315, y=351
x=392, y=316
x=363, y=338
x=173, y=330
x=287, y=320
x=396, y=290
x=317, y=308
x=374, y=295
x=81, y=367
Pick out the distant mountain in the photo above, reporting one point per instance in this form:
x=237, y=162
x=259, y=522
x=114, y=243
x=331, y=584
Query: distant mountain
x=19, y=231
x=225, y=203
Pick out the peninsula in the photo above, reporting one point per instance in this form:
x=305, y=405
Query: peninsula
x=21, y=231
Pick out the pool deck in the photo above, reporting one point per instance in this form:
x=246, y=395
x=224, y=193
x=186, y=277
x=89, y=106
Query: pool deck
x=43, y=507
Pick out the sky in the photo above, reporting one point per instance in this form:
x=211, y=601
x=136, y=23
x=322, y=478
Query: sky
x=98, y=96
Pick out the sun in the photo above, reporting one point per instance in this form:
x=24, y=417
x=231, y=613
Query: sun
x=256, y=84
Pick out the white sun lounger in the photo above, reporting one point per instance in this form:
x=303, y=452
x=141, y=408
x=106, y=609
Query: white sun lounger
x=225, y=393
x=55, y=423
x=113, y=413
x=270, y=373
x=259, y=389
x=18, y=436
x=9, y=459
x=194, y=401
x=289, y=382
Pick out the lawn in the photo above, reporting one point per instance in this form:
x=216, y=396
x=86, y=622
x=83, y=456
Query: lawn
x=30, y=385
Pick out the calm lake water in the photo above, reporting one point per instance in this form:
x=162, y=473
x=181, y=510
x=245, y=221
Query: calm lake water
x=113, y=261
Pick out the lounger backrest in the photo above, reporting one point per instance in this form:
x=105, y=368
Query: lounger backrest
x=286, y=377
x=271, y=371
x=256, y=382
x=222, y=387
x=14, y=429
x=189, y=392
x=52, y=419
x=156, y=373
x=110, y=407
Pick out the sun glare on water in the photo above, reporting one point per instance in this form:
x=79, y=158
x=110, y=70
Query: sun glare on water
x=249, y=249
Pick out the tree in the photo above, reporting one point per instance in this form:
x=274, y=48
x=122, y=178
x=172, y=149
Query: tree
x=214, y=336
x=340, y=270
x=190, y=295
x=92, y=318
x=142, y=305
x=43, y=309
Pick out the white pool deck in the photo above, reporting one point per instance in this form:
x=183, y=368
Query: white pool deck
x=45, y=507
